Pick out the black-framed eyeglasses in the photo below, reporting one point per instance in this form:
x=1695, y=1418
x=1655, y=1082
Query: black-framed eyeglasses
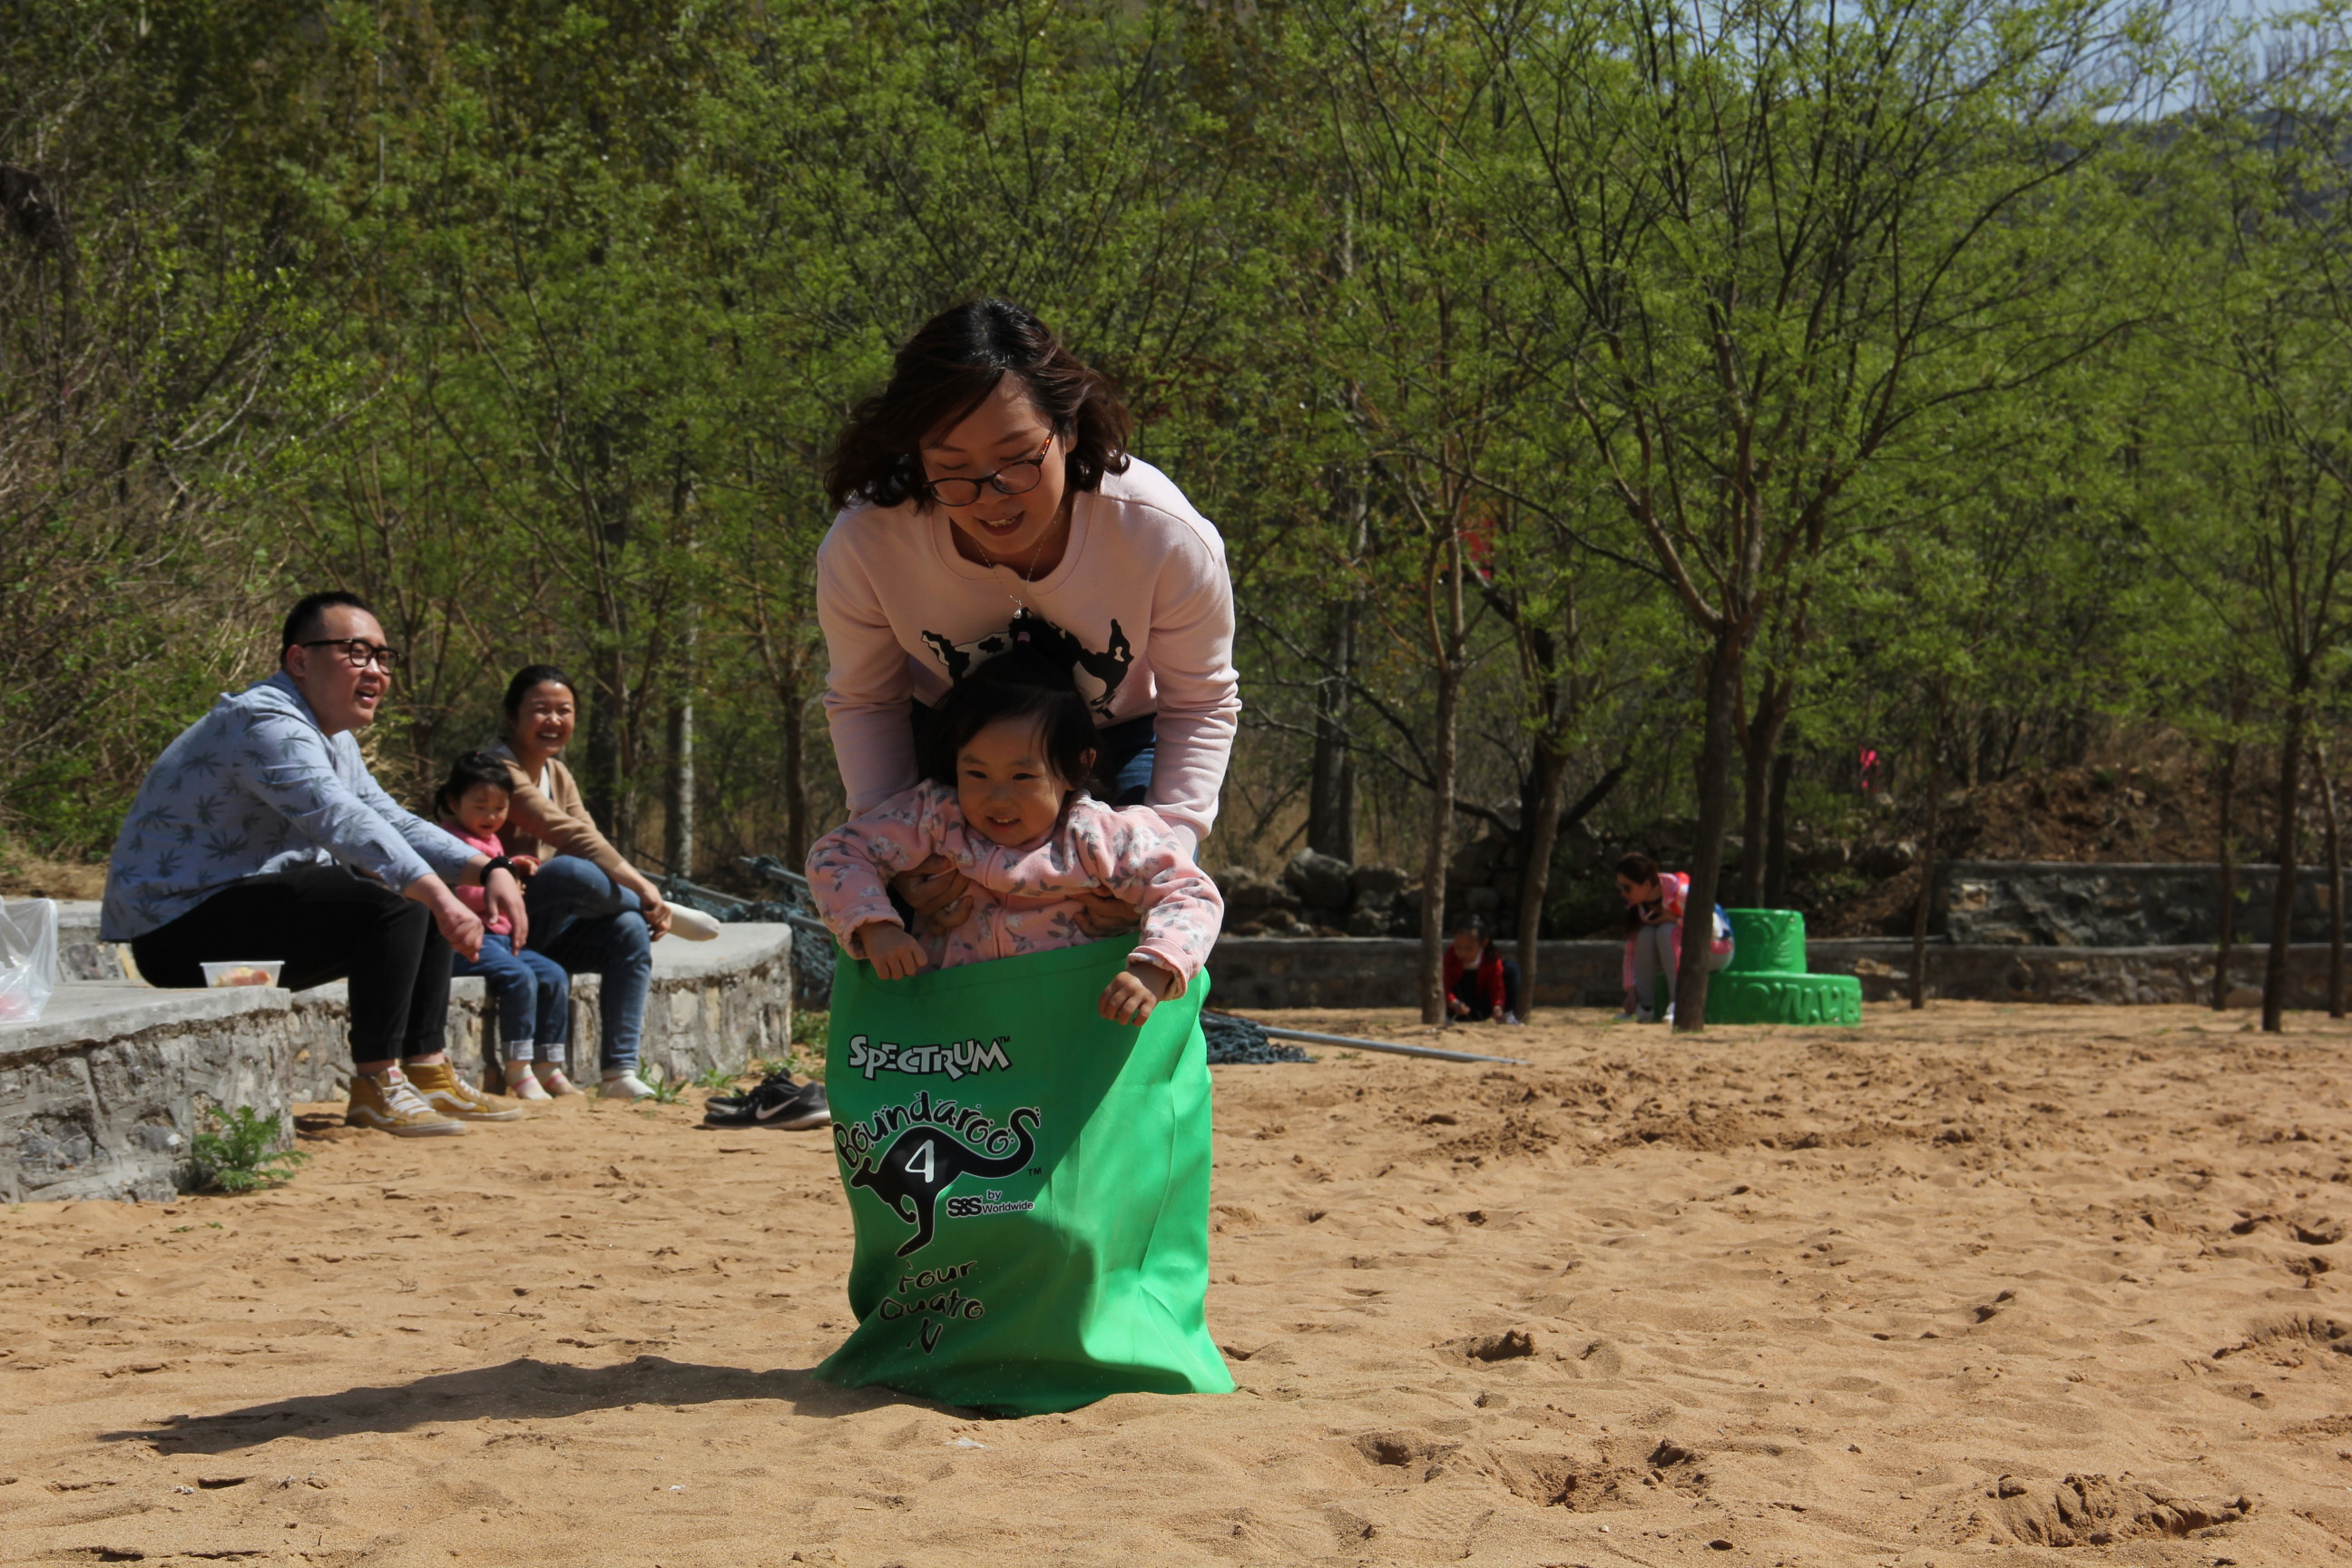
x=1013, y=479
x=358, y=653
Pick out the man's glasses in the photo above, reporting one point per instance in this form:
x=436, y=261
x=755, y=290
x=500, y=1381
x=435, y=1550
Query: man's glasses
x=1013, y=479
x=358, y=652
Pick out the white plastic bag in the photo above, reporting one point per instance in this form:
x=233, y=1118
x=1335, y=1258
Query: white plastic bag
x=28, y=958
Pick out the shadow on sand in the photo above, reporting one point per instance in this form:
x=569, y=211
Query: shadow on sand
x=517, y=1390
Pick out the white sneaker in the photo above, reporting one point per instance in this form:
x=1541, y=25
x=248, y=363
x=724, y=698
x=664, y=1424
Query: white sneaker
x=625, y=1086
x=692, y=923
x=522, y=1085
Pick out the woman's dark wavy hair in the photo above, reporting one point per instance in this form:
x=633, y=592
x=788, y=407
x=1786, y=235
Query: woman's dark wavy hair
x=535, y=675
x=1020, y=684
x=471, y=769
x=942, y=373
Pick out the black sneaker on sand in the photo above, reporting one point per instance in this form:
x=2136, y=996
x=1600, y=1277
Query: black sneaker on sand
x=792, y=1107
x=728, y=1101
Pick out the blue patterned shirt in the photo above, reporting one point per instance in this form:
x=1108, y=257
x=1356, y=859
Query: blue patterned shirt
x=253, y=787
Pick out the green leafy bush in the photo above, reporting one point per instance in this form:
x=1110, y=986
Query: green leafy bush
x=244, y=1150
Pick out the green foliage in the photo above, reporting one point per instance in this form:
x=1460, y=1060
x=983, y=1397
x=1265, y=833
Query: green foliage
x=666, y=1090
x=1953, y=392
x=243, y=1151
x=717, y=1080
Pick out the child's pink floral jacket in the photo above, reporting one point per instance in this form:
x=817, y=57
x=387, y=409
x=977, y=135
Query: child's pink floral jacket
x=1029, y=897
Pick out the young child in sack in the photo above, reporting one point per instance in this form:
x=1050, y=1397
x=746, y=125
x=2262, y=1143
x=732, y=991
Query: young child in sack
x=530, y=992
x=1004, y=761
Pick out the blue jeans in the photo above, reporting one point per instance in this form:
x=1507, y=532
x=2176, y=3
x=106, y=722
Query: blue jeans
x=532, y=995
x=591, y=925
x=1129, y=749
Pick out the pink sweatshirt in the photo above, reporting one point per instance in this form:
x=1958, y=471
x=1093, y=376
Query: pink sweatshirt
x=1140, y=604
x=1030, y=896
x=473, y=898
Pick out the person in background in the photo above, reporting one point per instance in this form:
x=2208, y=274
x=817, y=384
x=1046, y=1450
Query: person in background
x=1480, y=982
x=1654, y=902
x=259, y=834
x=594, y=912
x=531, y=992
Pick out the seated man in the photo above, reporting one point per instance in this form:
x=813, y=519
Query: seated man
x=259, y=834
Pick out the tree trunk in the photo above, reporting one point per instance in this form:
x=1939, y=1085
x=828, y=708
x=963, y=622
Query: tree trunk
x=795, y=762
x=1534, y=883
x=1539, y=814
x=1447, y=641
x=2225, y=852
x=607, y=790
x=1762, y=745
x=1331, y=791
x=1746, y=884
x=1776, y=856
x=1718, y=744
x=2335, y=881
x=678, y=790
x=2290, y=790
x=678, y=781
x=1927, y=864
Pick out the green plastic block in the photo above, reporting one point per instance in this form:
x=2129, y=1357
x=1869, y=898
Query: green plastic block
x=1767, y=941
x=1734, y=997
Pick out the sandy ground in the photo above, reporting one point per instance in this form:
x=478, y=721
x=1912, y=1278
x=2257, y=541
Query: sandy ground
x=1994, y=1285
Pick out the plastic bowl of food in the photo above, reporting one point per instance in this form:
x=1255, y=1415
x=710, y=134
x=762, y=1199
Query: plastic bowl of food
x=252, y=971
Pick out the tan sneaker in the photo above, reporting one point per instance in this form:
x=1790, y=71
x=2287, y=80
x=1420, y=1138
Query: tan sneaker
x=450, y=1095
x=388, y=1103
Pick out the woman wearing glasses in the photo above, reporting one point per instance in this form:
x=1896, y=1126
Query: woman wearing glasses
x=987, y=500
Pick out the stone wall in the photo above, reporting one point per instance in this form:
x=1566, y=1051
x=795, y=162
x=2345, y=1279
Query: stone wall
x=100, y=1096
x=1249, y=973
x=2068, y=904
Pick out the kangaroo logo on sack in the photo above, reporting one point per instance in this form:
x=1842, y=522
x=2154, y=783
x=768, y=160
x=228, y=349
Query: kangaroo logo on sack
x=910, y=1154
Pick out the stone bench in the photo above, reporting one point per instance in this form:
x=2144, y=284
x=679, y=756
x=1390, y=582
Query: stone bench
x=1253, y=972
x=100, y=1095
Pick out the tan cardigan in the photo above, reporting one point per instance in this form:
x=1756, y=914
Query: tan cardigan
x=538, y=824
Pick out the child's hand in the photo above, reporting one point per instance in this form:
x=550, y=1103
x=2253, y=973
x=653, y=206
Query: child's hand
x=894, y=954
x=1145, y=978
x=1128, y=999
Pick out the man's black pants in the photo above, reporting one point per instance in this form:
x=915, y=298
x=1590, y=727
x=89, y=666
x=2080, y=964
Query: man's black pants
x=326, y=923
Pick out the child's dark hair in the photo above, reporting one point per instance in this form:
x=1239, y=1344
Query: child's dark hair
x=1019, y=684
x=472, y=768
x=1638, y=868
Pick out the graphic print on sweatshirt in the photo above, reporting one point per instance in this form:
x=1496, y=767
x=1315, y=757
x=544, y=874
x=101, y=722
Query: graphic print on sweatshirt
x=1098, y=676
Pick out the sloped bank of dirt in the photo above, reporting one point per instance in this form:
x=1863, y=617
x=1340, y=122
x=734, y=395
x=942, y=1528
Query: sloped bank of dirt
x=2164, y=812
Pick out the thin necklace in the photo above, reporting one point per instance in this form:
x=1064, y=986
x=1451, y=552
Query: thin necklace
x=1020, y=605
